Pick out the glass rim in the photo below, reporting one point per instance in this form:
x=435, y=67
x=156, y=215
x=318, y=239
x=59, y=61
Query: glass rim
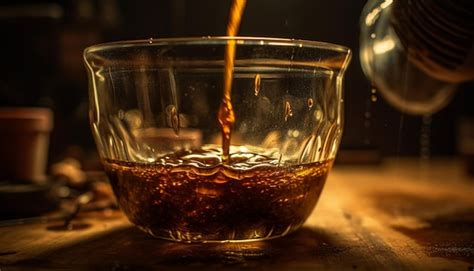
x=217, y=40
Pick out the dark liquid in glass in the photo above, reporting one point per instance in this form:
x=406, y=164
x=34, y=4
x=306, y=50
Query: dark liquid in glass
x=192, y=196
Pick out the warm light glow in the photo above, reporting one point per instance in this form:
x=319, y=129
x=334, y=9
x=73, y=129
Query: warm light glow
x=383, y=46
x=372, y=16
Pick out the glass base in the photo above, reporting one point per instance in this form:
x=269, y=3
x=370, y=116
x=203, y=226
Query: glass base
x=227, y=237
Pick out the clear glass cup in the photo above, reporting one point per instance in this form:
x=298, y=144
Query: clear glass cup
x=153, y=114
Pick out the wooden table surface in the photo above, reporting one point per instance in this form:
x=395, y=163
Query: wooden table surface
x=400, y=215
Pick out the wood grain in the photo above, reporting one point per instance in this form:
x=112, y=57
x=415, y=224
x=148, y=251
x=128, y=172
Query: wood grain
x=401, y=215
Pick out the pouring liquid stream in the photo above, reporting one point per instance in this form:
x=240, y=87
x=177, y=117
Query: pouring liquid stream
x=226, y=114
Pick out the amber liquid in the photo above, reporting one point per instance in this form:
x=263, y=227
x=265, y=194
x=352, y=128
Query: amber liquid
x=192, y=196
x=226, y=115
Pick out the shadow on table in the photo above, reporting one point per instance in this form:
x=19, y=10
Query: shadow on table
x=130, y=249
x=443, y=225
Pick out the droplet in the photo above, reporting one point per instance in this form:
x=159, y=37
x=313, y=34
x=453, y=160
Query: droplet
x=173, y=118
x=310, y=103
x=368, y=115
x=257, y=84
x=288, y=110
x=150, y=41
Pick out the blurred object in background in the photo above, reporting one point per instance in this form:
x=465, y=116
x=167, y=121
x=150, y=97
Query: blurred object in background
x=416, y=52
x=69, y=171
x=24, y=140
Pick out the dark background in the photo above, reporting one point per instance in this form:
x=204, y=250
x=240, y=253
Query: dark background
x=42, y=44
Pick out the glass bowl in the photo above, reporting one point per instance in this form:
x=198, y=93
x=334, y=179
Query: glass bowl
x=153, y=114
